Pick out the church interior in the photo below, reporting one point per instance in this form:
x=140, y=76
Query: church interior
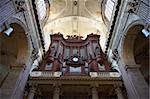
x=74, y=49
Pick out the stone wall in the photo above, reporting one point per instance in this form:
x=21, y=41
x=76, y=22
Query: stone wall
x=21, y=13
x=128, y=17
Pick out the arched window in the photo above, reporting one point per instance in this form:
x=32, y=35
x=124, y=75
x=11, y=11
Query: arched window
x=109, y=8
x=41, y=8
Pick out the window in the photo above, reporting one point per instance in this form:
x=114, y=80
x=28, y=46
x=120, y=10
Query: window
x=41, y=8
x=109, y=8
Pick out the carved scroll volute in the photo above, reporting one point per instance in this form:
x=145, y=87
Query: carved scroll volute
x=51, y=54
x=107, y=65
x=98, y=54
x=93, y=66
x=100, y=59
x=97, y=50
x=56, y=65
x=52, y=51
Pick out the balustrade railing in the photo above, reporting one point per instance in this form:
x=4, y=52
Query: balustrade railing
x=59, y=74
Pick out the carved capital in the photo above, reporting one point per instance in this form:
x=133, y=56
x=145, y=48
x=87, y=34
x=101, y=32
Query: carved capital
x=131, y=67
x=34, y=54
x=18, y=66
x=19, y=5
x=115, y=54
x=133, y=6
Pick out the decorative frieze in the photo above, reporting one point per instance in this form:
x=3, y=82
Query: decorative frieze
x=19, y=5
x=45, y=74
x=105, y=74
x=59, y=74
x=115, y=54
x=133, y=6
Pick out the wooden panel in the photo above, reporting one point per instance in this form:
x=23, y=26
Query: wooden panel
x=75, y=53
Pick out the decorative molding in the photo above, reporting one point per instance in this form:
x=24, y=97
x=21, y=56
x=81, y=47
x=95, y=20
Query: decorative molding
x=19, y=5
x=18, y=66
x=115, y=55
x=58, y=74
x=105, y=74
x=134, y=66
x=113, y=25
x=38, y=26
x=34, y=54
x=76, y=80
x=133, y=6
x=45, y=74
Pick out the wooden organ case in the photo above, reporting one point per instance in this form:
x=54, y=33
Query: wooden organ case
x=74, y=56
x=74, y=68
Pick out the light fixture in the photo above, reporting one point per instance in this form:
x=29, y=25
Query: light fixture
x=146, y=32
x=75, y=59
x=8, y=31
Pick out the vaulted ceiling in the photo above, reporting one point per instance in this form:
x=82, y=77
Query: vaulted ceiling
x=75, y=17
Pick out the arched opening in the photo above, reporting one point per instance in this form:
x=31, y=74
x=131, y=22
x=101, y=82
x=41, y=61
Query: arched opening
x=128, y=46
x=136, y=50
x=141, y=54
x=14, y=50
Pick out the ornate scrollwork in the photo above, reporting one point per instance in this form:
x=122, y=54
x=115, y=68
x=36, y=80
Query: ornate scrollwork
x=19, y=5
x=115, y=54
x=133, y=6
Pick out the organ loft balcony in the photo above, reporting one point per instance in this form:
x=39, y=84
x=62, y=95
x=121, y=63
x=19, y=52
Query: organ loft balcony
x=74, y=57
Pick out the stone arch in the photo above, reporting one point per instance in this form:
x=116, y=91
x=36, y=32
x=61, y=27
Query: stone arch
x=135, y=48
x=15, y=48
x=127, y=44
x=25, y=29
x=19, y=22
x=132, y=75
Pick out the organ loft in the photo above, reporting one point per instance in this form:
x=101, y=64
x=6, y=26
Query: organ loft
x=74, y=68
x=74, y=49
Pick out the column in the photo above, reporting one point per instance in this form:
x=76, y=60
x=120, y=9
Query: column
x=135, y=84
x=119, y=93
x=56, y=92
x=139, y=85
x=94, y=93
x=32, y=92
x=10, y=84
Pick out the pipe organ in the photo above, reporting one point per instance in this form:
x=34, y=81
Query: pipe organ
x=74, y=68
x=75, y=56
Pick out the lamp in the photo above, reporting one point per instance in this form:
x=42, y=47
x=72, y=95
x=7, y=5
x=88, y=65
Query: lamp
x=8, y=31
x=146, y=32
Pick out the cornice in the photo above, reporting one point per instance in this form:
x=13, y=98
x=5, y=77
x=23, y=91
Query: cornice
x=112, y=26
x=82, y=78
